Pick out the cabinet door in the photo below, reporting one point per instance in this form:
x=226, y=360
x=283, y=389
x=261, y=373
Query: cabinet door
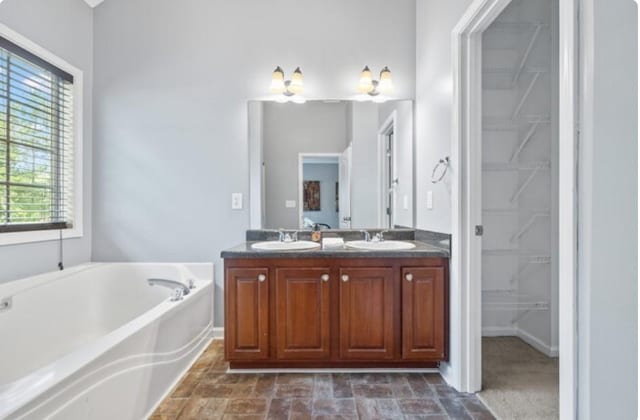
x=247, y=312
x=366, y=313
x=302, y=313
x=423, y=313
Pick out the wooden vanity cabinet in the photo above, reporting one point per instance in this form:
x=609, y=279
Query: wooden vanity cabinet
x=366, y=313
x=336, y=312
x=247, y=313
x=423, y=313
x=302, y=313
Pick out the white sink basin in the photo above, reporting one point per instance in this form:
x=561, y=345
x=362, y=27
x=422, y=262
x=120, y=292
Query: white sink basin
x=380, y=245
x=285, y=246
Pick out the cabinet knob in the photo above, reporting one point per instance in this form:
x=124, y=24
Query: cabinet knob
x=345, y=277
x=408, y=276
x=261, y=278
x=325, y=277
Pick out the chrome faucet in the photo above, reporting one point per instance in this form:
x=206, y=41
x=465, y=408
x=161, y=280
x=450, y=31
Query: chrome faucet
x=379, y=237
x=284, y=236
x=180, y=289
x=367, y=235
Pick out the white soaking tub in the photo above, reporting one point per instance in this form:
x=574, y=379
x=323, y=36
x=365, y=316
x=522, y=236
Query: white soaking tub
x=96, y=341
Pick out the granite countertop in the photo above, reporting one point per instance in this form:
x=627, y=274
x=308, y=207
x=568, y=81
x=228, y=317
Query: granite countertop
x=424, y=249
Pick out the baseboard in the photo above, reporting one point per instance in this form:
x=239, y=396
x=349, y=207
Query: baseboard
x=537, y=344
x=499, y=331
x=528, y=338
x=218, y=333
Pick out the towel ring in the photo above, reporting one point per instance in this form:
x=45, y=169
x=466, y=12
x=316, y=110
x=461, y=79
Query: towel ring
x=442, y=162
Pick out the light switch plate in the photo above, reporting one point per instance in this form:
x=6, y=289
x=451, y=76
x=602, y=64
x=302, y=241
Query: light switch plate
x=290, y=204
x=236, y=201
x=405, y=202
x=430, y=200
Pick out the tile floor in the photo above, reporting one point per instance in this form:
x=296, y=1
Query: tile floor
x=208, y=392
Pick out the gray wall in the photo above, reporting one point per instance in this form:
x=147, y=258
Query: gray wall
x=403, y=158
x=608, y=180
x=172, y=82
x=365, y=164
x=290, y=129
x=434, y=107
x=65, y=28
x=327, y=174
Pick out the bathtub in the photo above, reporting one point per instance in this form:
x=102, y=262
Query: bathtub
x=97, y=342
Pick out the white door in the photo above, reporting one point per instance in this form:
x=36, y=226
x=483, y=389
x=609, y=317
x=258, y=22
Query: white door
x=344, y=194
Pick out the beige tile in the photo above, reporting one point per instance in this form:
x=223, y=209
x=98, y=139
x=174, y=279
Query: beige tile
x=203, y=408
x=247, y=406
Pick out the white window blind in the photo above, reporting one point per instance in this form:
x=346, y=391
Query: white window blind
x=36, y=142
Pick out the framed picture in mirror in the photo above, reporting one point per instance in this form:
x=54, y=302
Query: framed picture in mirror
x=311, y=195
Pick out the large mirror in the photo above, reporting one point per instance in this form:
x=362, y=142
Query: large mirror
x=331, y=164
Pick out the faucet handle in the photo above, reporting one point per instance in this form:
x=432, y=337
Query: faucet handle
x=367, y=235
x=380, y=235
x=177, y=295
x=191, y=283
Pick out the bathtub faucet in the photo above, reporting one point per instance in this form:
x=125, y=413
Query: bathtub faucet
x=180, y=289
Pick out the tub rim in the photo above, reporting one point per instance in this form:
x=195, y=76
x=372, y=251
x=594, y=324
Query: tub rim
x=14, y=395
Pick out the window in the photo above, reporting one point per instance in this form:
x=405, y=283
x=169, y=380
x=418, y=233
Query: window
x=36, y=142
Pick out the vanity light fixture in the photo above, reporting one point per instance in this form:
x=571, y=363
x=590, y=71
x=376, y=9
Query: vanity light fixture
x=288, y=88
x=375, y=87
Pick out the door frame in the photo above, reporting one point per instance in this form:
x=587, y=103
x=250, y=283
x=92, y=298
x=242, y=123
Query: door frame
x=301, y=157
x=465, y=371
x=388, y=126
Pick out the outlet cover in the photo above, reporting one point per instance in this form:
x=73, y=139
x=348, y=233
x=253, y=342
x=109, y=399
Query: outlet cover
x=236, y=201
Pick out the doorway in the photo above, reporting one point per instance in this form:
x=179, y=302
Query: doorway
x=388, y=174
x=324, y=190
x=519, y=211
x=468, y=194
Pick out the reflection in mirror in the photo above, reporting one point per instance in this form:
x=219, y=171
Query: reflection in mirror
x=331, y=165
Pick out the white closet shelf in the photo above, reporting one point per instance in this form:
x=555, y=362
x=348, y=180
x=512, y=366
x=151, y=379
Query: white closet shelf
x=510, y=70
x=516, y=24
x=497, y=123
x=525, y=228
x=523, y=166
x=532, y=261
x=512, y=210
x=511, y=252
x=516, y=306
x=500, y=292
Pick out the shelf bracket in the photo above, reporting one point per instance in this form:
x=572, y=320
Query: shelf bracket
x=525, y=56
x=527, y=92
x=527, y=137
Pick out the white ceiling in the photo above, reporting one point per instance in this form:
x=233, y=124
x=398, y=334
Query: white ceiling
x=93, y=3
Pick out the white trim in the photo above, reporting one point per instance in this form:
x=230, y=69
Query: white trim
x=464, y=371
x=531, y=340
x=12, y=238
x=537, y=344
x=255, y=112
x=218, y=333
x=301, y=157
x=466, y=208
x=567, y=204
x=389, y=125
x=333, y=370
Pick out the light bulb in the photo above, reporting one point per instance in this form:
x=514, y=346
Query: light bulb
x=366, y=81
x=386, y=84
x=277, y=81
x=296, y=87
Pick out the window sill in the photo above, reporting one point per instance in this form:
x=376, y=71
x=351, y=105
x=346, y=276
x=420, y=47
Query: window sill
x=16, y=238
